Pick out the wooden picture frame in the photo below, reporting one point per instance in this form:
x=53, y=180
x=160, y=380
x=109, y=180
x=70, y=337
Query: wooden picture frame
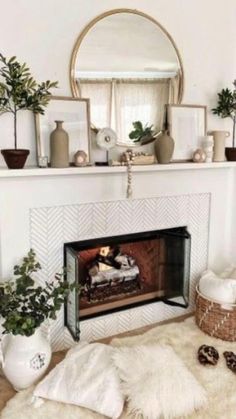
x=75, y=112
x=187, y=126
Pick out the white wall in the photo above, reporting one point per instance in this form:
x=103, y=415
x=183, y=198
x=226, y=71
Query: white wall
x=43, y=33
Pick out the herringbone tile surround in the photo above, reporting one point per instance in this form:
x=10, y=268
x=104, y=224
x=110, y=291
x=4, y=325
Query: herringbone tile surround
x=51, y=227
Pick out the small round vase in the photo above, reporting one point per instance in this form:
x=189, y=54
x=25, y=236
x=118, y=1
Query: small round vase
x=25, y=358
x=164, y=148
x=80, y=158
x=59, y=146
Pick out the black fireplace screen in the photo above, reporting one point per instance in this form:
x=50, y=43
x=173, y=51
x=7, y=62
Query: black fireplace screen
x=121, y=272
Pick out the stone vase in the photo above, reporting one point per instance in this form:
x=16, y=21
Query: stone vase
x=59, y=146
x=219, y=138
x=164, y=148
x=25, y=358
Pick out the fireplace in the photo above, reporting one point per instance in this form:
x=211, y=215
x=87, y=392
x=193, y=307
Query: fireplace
x=121, y=272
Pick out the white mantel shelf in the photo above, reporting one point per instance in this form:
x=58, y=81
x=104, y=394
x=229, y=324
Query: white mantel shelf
x=95, y=170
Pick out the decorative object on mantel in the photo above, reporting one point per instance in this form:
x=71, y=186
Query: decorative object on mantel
x=226, y=108
x=19, y=91
x=143, y=134
x=207, y=146
x=199, y=156
x=43, y=161
x=219, y=138
x=187, y=125
x=164, y=144
x=59, y=146
x=106, y=139
x=137, y=158
x=24, y=306
x=164, y=147
x=75, y=114
x=127, y=159
x=80, y=158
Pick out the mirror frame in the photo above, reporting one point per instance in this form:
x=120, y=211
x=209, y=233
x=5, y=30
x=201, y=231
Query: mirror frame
x=73, y=84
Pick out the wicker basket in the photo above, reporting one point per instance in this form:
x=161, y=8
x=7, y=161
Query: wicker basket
x=215, y=318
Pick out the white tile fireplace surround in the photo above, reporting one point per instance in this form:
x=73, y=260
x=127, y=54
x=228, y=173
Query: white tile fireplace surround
x=44, y=210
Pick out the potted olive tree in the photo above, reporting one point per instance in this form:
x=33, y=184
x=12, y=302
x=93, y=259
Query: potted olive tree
x=19, y=91
x=24, y=306
x=226, y=108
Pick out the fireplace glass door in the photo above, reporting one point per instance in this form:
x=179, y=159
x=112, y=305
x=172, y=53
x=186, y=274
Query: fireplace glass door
x=115, y=273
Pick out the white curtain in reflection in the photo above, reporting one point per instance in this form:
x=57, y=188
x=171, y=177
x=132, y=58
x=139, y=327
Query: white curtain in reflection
x=100, y=101
x=139, y=101
x=118, y=103
x=174, y=89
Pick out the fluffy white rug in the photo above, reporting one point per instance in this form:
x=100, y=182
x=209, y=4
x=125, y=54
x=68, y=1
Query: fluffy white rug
x=156, y=382
x=185, y=338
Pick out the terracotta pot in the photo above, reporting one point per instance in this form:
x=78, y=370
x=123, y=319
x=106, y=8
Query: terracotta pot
x=15, y=158
x=230, y=153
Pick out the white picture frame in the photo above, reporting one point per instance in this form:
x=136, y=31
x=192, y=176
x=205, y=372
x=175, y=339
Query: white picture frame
x=187, y=126
x=75, y=112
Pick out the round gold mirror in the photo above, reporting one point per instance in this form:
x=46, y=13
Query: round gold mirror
x=129, y=67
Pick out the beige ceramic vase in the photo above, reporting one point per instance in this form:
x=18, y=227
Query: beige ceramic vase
x=219, y=138
x=59, y=146
x=164, y=148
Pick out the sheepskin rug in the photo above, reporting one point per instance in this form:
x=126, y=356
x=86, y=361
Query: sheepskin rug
x=185, y=338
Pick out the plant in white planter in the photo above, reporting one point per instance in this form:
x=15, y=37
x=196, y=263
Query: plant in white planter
x=24, y=306
x=226, y=108
x=19, y=91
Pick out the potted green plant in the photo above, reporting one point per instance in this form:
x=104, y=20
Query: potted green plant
x=145, y=134
x=19, y=91
x=24, y=306
x=226, y=108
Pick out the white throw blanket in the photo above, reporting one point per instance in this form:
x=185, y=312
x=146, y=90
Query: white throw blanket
x=185, y=338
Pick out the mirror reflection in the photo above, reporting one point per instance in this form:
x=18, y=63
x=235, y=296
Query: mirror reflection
x=129, y=68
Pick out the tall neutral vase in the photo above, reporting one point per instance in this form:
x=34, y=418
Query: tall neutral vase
x=164, y=148
x=25, y=358
x=59, y=146
x=219, y=138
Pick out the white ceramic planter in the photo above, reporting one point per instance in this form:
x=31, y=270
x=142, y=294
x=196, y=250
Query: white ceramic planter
x=25, y=359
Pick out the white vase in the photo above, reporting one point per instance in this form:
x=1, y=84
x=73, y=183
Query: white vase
x=219, y=145
x=25, y=359
x=207, y=146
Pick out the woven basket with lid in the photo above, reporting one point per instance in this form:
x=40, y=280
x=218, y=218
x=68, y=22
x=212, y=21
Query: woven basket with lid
x=215, y=318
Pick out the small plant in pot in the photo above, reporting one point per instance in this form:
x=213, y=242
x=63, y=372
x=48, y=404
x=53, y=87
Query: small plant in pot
x=24, y=306
x=226, y=108
x=143, y=134
x=19, y=91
